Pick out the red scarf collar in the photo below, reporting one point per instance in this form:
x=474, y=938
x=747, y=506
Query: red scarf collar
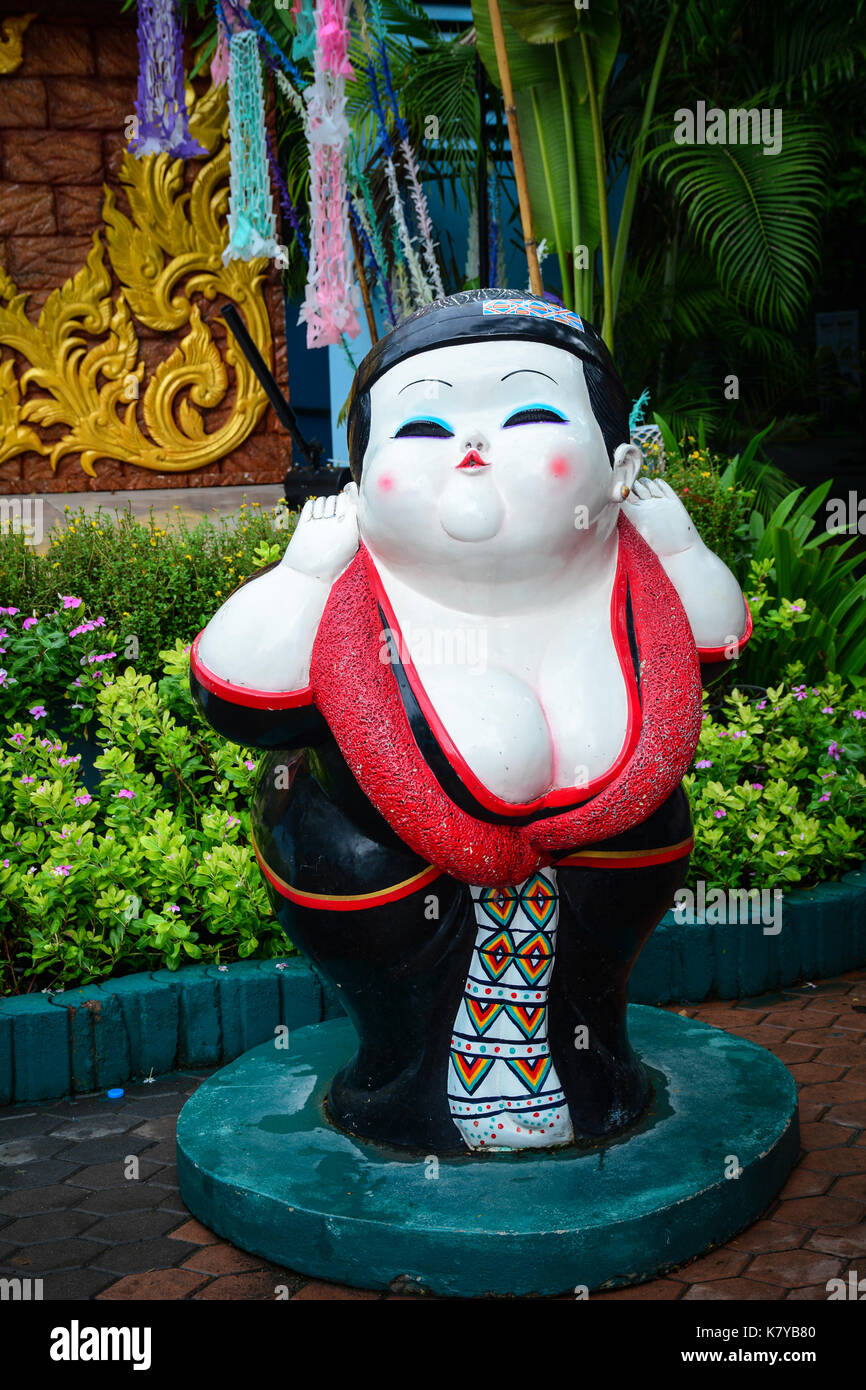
x=359, y=697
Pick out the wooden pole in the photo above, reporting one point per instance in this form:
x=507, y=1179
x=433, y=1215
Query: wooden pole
x=362, y=281
x=535, y=280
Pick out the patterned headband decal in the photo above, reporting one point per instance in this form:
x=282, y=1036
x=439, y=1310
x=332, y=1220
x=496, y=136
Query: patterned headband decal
x=535, y=310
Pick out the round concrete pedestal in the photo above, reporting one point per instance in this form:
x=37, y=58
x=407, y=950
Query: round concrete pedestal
x=261, y=1164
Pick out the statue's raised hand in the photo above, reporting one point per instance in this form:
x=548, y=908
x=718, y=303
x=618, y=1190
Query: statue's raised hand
x=326, y=536
x=657, y=512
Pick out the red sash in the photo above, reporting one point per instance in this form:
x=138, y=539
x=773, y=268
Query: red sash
x=358, y=695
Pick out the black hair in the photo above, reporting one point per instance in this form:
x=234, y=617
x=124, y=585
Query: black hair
x=462, y=318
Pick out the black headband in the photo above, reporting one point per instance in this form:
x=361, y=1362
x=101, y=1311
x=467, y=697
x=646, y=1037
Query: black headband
x=475, y=315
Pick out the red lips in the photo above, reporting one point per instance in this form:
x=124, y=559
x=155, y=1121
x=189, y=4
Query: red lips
x=472, y=460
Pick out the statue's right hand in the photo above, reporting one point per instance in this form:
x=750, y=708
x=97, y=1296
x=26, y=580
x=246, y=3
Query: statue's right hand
x=326, y=536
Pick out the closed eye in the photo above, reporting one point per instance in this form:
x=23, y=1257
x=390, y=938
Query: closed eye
x=535, y=415
x=426, y=428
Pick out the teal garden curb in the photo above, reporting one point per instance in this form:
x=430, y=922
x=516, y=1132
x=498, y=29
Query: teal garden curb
x=822, y=933
x=100, y=1036
x=89, y=1039
x=261, y=1163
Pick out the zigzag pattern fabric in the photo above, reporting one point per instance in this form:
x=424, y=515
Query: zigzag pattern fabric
x=503, y=1091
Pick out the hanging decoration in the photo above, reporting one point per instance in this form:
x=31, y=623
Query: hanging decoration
x=304, y=44
x=416, y=192
x=329, y=308
x=252, y=222
x=162, y=117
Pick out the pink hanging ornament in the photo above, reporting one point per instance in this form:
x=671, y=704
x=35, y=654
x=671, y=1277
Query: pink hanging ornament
x=331, y=298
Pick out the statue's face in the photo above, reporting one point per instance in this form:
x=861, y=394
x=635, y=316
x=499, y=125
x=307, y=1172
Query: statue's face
x=483, y=453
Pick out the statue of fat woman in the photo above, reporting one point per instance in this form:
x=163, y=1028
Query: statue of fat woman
x=476, y=674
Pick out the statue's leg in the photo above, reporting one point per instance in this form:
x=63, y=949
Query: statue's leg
x=390, y=935
x=605, y=917
x=503, y=1089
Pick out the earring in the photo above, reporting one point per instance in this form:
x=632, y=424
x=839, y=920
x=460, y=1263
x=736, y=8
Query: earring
x=624, y=491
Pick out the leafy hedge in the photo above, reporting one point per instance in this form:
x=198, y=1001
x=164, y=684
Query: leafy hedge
x=131, y=851
x=153, y=585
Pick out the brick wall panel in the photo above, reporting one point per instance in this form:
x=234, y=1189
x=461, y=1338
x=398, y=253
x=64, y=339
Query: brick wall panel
x=23, y=104
x=76, y=104
x=78, y=207
x=43, y=156
x=116, y=52
x=44, y=262
x=29, y=205
x=52, y=50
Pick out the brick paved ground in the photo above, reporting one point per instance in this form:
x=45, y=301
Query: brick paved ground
x=70, y=1216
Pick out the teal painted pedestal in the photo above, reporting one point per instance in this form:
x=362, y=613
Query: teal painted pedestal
x=261, y=1165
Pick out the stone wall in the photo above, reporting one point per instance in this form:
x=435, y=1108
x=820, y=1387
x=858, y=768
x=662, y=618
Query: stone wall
x=62, y=117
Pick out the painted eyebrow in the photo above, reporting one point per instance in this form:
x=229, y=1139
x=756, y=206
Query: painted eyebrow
x=528, y=369
x=421, y=381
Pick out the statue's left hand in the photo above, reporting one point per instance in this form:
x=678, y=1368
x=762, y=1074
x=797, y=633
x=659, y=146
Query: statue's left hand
x=657, y=512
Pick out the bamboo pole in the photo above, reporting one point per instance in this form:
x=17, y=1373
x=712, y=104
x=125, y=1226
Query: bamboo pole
x=535, y=280
x=362, y=281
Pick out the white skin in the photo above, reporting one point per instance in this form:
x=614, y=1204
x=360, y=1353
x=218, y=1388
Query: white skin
x=515, y=550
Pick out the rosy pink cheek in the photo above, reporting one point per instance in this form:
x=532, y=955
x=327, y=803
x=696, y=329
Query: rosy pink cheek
x=386, y=483
x=560, y=467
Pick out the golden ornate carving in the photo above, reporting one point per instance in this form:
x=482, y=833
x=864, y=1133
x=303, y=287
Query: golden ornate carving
x=84, y=372
x=12, y=41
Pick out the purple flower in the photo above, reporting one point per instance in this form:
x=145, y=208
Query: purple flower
x=27, y=780
x=28, y=622
x=782, y=853
x=17, y=738
x=825, y=797
x=69, y=601
x=5, y=863
x=757, y=786
x=739, y=733
x=172, y=907
x=83, y=799
x=232, y=820
x=62, y=870
x=704, y=762
x=3, y=675
x=103, y=656
x=9, y=611
x=67, y=762
x=38, y=712
x=828, y=709
x=124, y=791
x=248, y=762
x=858, y=714
x=833, y=750
x=762, y=704
x=719, y=813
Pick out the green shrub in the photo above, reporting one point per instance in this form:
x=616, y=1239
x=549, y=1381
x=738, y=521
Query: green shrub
x=152, y=867
x=154, y=585
x=778, y=795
